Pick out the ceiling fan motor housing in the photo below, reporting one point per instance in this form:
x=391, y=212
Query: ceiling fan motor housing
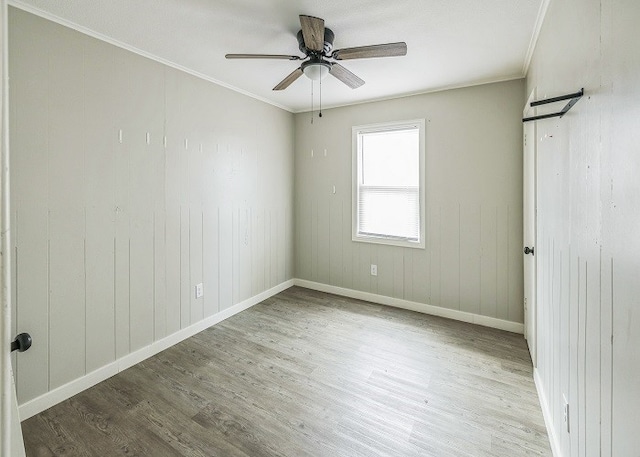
x=328, y=43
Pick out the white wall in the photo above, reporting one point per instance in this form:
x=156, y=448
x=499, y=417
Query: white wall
x=111, y=237
x=589, y=214
x=472, y=261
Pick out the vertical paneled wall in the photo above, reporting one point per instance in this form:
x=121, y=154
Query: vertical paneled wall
x=473, y=260
x=131, y=183
x=588, y=218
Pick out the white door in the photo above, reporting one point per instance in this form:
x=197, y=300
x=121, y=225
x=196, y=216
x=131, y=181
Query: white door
x=10, y=433
x=529, y=163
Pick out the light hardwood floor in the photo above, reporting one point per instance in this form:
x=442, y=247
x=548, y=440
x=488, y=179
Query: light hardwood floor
x=311, y=374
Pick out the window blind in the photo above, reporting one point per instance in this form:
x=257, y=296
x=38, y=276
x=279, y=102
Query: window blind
x=389, y=212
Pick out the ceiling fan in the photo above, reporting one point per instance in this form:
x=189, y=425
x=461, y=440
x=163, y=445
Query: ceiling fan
x=316, y=42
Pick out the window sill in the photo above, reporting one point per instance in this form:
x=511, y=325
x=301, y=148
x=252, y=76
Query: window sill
x=389, y=241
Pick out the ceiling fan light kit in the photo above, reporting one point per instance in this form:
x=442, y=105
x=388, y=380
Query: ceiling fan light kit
x=315, y=41
x=315, y=69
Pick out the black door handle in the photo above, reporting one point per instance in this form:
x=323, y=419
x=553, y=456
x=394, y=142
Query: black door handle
x=528, y=250
x=21, y=343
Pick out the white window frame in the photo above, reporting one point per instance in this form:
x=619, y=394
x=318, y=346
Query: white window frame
x=387, y=126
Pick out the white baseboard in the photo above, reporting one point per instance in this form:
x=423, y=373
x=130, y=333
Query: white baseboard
x=454, y=314
x=546, y=413
x=55, y=396
x=501, y=324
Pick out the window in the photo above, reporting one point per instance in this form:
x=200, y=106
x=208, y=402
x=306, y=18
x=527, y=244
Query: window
x=388, y=183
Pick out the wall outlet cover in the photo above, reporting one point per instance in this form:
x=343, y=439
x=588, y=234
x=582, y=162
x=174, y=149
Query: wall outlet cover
x=374, y=270
x=199, y=290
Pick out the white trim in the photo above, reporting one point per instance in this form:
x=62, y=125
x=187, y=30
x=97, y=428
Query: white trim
x=86, y=31
x=542, y=12
x=454, y=314
x=546, y=413
x=481, y=82
x=527, y=110
x=53, y=397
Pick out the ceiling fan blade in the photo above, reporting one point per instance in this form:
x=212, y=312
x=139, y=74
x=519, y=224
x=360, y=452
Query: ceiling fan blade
x=313, y=32
x=376, y=50
x=345, y=76
x=262, y=56
x=286, y=82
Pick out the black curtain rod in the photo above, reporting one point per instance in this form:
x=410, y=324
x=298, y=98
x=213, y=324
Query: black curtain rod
x=573, y=99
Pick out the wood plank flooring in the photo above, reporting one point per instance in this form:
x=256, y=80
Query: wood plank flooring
x=311, y=374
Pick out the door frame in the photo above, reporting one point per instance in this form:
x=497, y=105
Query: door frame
x=530, y=166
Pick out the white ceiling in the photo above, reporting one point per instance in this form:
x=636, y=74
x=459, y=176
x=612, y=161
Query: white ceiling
x=450, y=43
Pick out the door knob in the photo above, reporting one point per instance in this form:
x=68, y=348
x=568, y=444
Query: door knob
x=528, y=250
x=21, y=343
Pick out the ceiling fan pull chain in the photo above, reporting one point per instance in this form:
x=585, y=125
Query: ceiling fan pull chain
x=312, y=101
x=320, y=114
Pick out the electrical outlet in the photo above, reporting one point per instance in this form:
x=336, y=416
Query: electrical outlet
x=199, y=291
x=374, y=270
x=565, y=413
